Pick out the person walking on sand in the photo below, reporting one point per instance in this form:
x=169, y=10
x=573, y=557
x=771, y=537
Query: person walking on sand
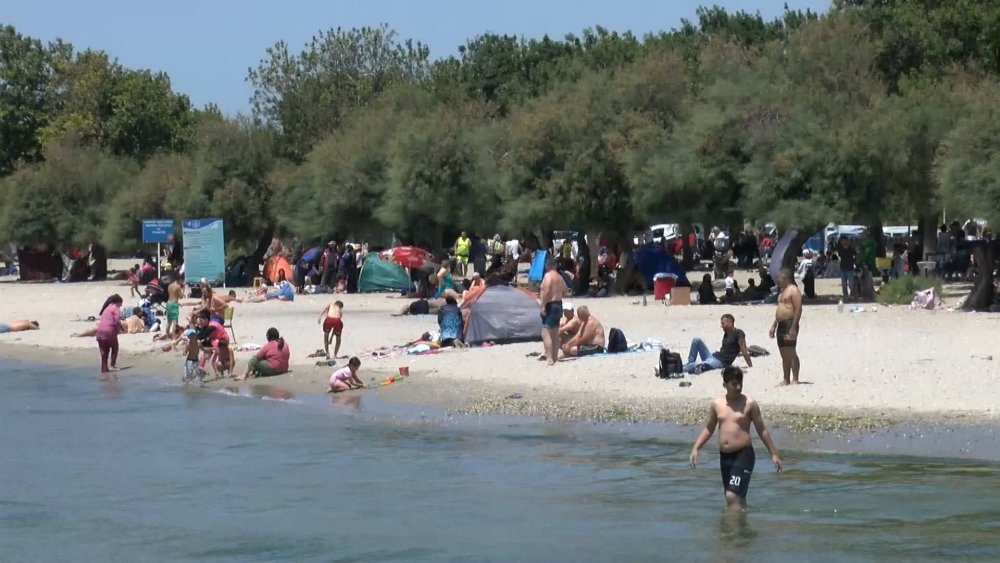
x=732, y=414
x=346, y=378
x=107, y=334
x=786, y=325
x=551, y=294
x=333, y=326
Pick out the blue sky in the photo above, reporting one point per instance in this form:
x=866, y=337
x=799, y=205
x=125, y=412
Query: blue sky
x=207, y=46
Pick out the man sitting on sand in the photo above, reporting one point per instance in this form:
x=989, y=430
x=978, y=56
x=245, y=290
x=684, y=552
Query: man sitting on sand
x=570, y=323
x=734, y=343
x=18, y=326
x=589, y=338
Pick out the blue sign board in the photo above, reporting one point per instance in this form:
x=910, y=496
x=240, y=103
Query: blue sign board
x=157, y=230
x=204, y=250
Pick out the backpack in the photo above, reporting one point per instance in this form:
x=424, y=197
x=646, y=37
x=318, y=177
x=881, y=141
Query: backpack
x=670, y=364
x=616, y=341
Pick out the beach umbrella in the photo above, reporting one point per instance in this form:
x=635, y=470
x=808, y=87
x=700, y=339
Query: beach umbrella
x=409, y=256
x=778, y=257
x=312, y=253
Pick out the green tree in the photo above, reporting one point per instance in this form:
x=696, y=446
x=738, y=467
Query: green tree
x=308, y=95
x=25, y=104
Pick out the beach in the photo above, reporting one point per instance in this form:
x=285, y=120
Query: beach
x=860, y=370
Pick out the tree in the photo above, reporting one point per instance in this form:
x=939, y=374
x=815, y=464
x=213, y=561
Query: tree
x=25, y=105
x=63, y=199
x=308, y=95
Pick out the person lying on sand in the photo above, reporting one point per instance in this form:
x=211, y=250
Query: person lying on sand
x=589, y=339
x=136, y=323
x=18, y=326
x=421, y=307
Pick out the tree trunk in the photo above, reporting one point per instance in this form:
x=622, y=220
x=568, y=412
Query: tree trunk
x=253, y=262
x=876, y=231
x=687, y=253
x=981, y=296
x=626, y=265
x=583, y=269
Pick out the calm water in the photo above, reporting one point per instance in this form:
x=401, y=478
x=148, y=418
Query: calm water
x=148, y=471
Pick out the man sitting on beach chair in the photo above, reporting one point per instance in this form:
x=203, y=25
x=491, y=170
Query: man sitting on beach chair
x=589, y=339
x=734, y=343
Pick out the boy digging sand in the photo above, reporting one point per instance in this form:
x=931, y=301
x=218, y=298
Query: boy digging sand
x=333, y=325
x=732, y=414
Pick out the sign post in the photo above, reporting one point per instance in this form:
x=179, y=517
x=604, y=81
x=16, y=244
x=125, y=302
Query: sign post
x=157, y=231
x=204, y=250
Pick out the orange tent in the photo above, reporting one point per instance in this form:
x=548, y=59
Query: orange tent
x=274, y=265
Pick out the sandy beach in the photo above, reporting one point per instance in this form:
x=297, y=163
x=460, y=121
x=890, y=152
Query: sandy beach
x=860, y=369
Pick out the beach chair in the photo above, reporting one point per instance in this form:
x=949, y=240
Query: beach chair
x=228, y=320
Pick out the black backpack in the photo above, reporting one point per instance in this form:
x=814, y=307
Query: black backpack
x=616, y=341
x=670, y=364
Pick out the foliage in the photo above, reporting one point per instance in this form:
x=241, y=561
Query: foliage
x=900, y=291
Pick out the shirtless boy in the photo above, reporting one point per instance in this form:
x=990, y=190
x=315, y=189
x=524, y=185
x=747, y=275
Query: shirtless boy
x=589, y=339
x=175, y=291
x=732, y=414
x=786, y=325
x=333, y=325
x=18, y=326
x=552, y=291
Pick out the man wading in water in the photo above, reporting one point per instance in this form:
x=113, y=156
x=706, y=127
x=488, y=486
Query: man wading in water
x=786, y=325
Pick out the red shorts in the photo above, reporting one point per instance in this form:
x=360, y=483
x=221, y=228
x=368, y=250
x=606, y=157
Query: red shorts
x=333, y=325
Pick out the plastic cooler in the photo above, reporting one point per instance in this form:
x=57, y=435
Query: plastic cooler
x=662, y=287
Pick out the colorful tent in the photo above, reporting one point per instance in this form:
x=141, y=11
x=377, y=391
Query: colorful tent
x=381, y=275
x=274, y=265
x=501, y=314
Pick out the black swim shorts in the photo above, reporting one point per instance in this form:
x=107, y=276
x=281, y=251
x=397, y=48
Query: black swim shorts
x=781, y=335
x=737, y=467
x=553, y=314
x=589, y=350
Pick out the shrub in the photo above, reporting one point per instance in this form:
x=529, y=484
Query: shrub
x=900, y=291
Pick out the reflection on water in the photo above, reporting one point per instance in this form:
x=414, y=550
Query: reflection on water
x=183, y=474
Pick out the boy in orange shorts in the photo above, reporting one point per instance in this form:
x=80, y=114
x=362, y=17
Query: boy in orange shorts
x=333, y=325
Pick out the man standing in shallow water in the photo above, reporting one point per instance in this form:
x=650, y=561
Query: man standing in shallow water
x=732, y=414
x=786, y=325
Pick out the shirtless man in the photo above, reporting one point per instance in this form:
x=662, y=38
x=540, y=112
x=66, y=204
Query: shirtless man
x=333, y=326
x=589, y=339
x=732, y=415
x=18, y=326
x=569, y=325
x=214, y=304
x=551, y=294
x=786, y=325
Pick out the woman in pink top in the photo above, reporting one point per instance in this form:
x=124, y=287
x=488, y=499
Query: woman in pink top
x=271, y=360
x=107, y=332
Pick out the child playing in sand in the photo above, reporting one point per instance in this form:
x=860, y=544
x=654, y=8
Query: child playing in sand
x=224, y=360
x=732, y=414
x=133, y=278
x=191, y=368
x=346, y=378
x=333, y=325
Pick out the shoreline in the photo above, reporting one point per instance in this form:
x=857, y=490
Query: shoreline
x=952, y=434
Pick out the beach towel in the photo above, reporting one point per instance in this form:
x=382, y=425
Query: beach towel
x=537, y=269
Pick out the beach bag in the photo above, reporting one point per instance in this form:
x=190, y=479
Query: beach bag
x=616, y=341
x=670, y=364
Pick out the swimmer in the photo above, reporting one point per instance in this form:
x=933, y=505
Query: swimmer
x=732, y=414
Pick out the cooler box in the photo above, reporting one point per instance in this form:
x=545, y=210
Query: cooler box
x=680, y=296
x=662, y=287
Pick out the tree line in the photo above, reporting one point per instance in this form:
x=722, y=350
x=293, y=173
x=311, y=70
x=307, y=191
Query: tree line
x=877, y=111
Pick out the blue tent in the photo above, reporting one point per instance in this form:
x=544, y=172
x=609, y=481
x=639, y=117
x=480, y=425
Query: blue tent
x=815, y=243
x=652, y=259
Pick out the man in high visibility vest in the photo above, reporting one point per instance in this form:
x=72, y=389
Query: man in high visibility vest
x=462, y=246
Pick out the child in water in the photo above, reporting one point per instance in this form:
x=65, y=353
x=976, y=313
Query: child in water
x=732, y=413
x=191, y=368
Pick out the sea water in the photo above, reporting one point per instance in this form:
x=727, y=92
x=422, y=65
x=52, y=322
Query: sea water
x=147, y=470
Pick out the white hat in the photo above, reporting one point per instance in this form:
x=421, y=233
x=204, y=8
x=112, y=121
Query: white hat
x=567, y=306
